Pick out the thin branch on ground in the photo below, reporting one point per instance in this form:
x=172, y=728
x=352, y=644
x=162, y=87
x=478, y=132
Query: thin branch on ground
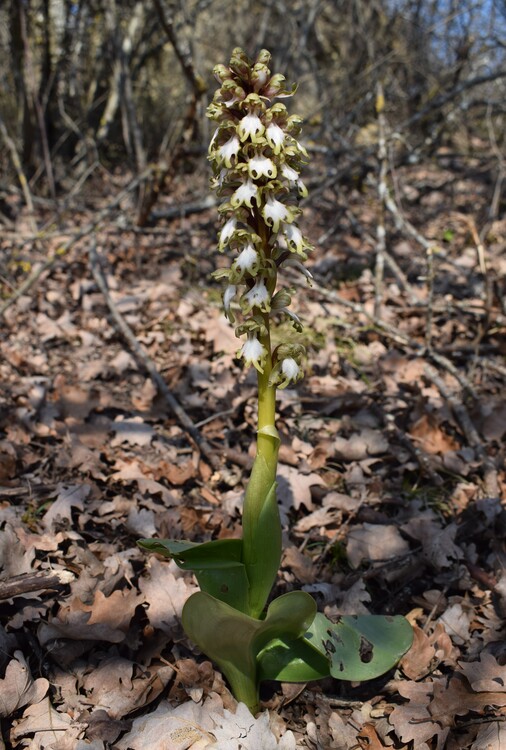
x=382, y=192
x=470, y=432
x=23, y=584
x=430, y=278
x=395, y=335
x=61, y=251
x=390, y=261
x=147, y=363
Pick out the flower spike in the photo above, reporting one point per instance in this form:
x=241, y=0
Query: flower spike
x=256, y=163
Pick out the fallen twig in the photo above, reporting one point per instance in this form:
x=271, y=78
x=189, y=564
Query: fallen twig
x=25, y=584
x=394, y=334
x=63, y=249
x=470, y=432
x=147, y=363
x=382, y=192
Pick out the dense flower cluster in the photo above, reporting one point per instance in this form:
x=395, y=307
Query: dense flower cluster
x=256, y=162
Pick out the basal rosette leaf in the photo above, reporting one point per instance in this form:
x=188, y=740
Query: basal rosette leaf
x=292, y=661
x=217, y=565
x=361, y=647
x=234, y=640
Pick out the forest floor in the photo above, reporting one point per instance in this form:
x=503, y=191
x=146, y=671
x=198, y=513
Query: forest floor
x=390, y=479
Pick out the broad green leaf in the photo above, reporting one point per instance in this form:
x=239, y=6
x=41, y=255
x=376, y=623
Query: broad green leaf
x=361, y=647
x=233, y=640
x=229, y=585
x=292, y=661
x=166, y=547
x=217, y=566
x=187, y=554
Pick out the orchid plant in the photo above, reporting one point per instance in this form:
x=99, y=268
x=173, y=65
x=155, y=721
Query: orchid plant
x=256, y=161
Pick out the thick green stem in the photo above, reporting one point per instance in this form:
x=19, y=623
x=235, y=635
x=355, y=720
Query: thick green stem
x=266, y=392
x=261, y=521
x=266, y=395
x=245, y=690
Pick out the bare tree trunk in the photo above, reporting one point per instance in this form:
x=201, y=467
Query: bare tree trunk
x=33, y=96
x=25, y=108
x=187, y=130
x=120, y=90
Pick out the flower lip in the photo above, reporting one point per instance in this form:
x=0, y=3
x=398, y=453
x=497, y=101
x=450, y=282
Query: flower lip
x=250, y=126
x=290, y=368
x=295, y=241
x=258, y=296
x=291, y=174
x=253, y=352
x=261, y=166
x=227, y=231
x=229, y=150
x=275, y=137
x=244, y=194
x=228, y=296
x=247, y=258
x=275, y=212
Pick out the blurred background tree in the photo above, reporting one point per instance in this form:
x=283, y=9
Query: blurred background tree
x=126, y=84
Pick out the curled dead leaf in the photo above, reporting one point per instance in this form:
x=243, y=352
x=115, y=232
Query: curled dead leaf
x=18, y=688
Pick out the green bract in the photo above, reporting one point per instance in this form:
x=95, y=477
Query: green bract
x=256, y=162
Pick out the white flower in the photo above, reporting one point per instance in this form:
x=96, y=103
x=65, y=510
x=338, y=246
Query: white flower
x=260, y=166
x=290, y=369
x=295, y=241
x=294, y=237
x=275, y=137
x=251, y=126
x=286, y=370
x=227, y=231
x=229, y=150
x=253, y=352
x=247, y=258
x=219, y=180
x=211, y=142
x=274, y=212
x=244, y=194
x=293, y=178
x=258, y=296
x=291, y=174
x=228, y=296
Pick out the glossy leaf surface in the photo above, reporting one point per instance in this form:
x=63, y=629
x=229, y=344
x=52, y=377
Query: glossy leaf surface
x=292, y=661
x=261, y=523
x=217, y=566
x=234, y=640
x=361, y=647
